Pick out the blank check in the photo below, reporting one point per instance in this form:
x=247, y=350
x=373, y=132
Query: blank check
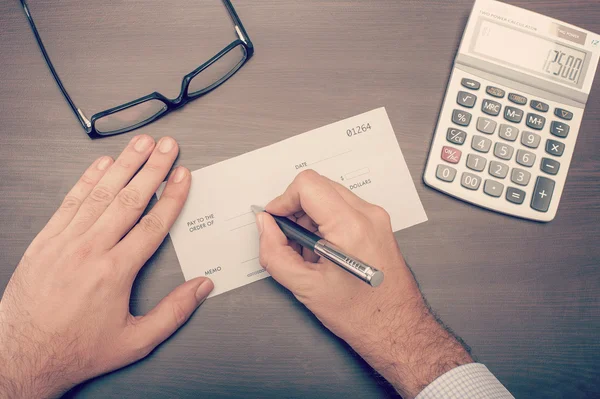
x=215, y=235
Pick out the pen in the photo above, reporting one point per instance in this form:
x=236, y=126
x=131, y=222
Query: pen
x=324, y=248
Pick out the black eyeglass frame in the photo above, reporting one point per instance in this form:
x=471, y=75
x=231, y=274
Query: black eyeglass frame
x=171, y=104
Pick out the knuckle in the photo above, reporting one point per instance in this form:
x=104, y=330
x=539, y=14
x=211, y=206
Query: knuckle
x=124, y=164
x=70, y=202
x=131, y=198
x=179, y=314
x=101, y=194
x=153, y=167
x=380, y=215
x=87, y=180
x=83, y=251
x=307, y=176
x=152, y=223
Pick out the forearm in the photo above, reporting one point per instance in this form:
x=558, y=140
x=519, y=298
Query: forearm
x=25, y=368
x=412, y=348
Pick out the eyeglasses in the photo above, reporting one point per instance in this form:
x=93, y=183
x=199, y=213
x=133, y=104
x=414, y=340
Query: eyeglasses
x=147, y=109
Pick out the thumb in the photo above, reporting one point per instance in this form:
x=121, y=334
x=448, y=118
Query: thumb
x=282, y=262
x=171, y=312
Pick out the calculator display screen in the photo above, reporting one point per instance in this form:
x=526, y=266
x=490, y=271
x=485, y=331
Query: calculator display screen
x=529, y=52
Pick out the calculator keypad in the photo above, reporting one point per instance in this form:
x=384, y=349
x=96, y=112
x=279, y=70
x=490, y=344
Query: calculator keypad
x=516, y=145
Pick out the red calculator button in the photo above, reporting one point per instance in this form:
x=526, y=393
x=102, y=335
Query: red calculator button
x=450, y=154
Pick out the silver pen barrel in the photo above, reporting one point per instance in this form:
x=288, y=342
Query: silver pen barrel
x=360, y=269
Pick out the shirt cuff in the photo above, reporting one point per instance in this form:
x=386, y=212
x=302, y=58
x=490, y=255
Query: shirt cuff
x=472, y=380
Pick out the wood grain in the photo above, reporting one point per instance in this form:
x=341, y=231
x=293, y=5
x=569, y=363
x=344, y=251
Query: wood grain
x=523, y=295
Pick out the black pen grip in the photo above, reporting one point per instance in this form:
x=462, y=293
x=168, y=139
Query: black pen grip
x=297, y=233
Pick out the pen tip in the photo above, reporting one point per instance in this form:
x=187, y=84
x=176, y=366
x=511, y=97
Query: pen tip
x=257, y=209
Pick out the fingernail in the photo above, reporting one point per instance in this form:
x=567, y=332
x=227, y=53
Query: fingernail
x=166, y=144
x=203, y=290
x=143, y=144
x=259, y=222
x=104, y=162
x=179, y=174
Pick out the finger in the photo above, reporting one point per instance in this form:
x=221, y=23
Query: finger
x=75, y=197
x=306, y=222
x=117, y=176
x=170, y=314
x=131, y=201
x=278, y=258
x=143, y=240
x=312, y=193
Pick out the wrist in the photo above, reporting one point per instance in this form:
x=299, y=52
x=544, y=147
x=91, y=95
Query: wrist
x=28, y=369
x=412, y=348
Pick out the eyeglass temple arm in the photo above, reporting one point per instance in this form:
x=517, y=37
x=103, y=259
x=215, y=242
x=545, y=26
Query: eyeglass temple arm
x=238, y=24
x=85, y=123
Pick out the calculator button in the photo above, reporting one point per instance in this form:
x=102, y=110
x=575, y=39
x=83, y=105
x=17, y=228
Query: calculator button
x=456, y=136
x=530, y=140
x=493, y=188
x=470, y=84
x=513, y=114
x=470, y=181
x=481, y=144
x=503, y=151
x=542, y=194
x=494, y=91
x=461, y=117
x=445, y=173
x=554, y=147
x=535, y=121
x=559, y=129
x=520, y=177
x=508, y=132
x=450, y=154
x=525, y=158
x=491, y=107
x=550, y=166
x=515, y=195
x=476, y=162
x=466, y=99
x=498, y=169
x=563, y=114
x=486, y=125
x=517, y=99
x=539, y=106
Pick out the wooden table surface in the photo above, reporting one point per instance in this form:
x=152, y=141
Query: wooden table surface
x=524, y=295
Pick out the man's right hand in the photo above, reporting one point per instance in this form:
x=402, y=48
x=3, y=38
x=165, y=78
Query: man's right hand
x=390, y=326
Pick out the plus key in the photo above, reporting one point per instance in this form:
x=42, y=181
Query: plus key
x=450, y=154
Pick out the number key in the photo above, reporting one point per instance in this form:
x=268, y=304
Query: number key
x=508, y=132
x=493, y=188
x=498, y=169
x=476, y=162
x=486, y=125
x=503, y=151
x=445, y=173
x=481, y=144
x=470, y=181
x=530, y=140
x=525, y=158
x=520, y=176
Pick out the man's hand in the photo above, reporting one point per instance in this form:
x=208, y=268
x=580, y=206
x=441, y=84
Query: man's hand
x=64, y=316
x=390, y=326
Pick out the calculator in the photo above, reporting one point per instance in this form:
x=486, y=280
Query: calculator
x=512, y=110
